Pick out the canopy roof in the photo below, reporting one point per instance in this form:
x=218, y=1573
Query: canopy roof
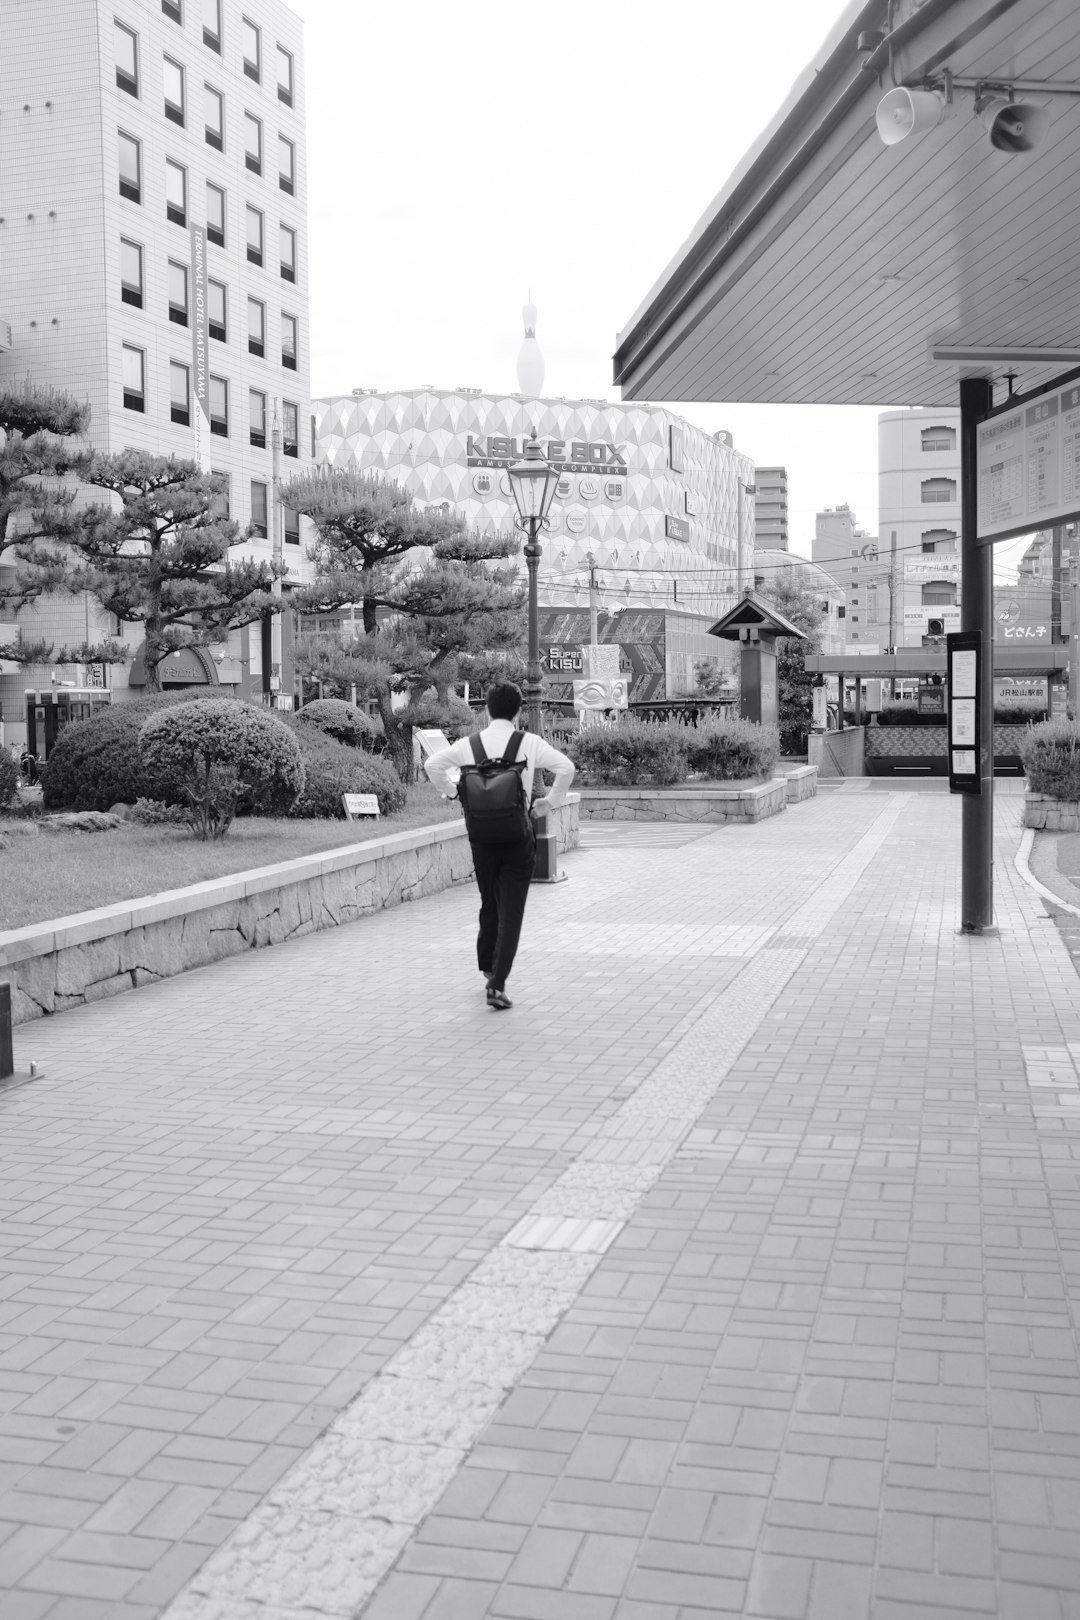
x=831, y=266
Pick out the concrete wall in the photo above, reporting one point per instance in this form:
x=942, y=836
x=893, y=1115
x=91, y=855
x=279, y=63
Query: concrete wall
x=837, y=753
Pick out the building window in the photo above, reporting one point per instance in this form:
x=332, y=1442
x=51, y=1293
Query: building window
x=289, y=340
x=291, y=526
x=180, y=393
x=127, y=60
x=215, y=214
x=254, y=235
x=178, y=293
x=175, y=192
x=217, y=311
x=939, y=593
x=286, y=165
x=313, y=440
x=214, y=114
x=174, y=92
x=939, y=438
x=938, y=489
x=288, y=253
x=172, y=10
x=221, y=501
x=134, y=379
x=211, y=24
x=259, y=513
x=284, y=76
x=290, y=428
x=256, y=327
x=252, y=50
x=219, y=407
x=253, y=143
x=131, y=273
x=939, y=539
x=130, y=168
x=257, y=418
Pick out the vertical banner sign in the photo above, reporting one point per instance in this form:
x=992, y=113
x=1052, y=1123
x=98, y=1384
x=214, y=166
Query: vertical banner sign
x=962, y=651
x=200, y=359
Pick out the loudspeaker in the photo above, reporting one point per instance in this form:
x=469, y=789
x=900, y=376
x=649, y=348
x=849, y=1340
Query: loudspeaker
x=1015, y=126
x=904, y=112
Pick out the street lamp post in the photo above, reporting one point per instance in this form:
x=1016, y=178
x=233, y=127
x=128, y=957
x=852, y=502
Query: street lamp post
x=533, y=481
x=741, y=490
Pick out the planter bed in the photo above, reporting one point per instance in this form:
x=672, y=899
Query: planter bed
x=72, y=960
x=688, y=801
x=1052, y=815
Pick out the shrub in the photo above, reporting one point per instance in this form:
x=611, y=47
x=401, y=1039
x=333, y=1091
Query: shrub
x=730, y=750
x=1051, y=758
x=455, y=717
x=220, y=750
x=1020, y=714
x=153, y=813
x=96, y=763
x=332, y=768
x=629, y=753
x=907, y=714
x=345, y=723
x=9, y=778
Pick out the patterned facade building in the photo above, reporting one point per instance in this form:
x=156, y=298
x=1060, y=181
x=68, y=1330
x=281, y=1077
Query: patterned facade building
x=655, y=508
x=131, y=127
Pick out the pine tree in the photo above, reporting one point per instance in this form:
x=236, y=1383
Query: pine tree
x=157, y=554
x=430, y=596
x=34, y=456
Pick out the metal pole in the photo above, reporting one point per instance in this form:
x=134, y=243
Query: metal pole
x=1074, y=628
x=594, y=606
x=977, y=613
x=892, y=607
x=533, y=682
x=275, y=623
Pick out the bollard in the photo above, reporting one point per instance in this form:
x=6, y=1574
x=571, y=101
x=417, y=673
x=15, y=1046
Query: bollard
x=7, y=1050
x=546, y=869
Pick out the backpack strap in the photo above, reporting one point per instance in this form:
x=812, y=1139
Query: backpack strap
x=477, y=748
x=513, y=747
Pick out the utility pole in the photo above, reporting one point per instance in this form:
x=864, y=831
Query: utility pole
x=594, y=603
x=1057, y=584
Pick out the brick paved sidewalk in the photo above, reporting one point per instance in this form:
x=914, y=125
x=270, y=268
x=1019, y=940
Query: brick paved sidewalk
x=753, y=1293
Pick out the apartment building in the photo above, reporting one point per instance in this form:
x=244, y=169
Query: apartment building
x=919, y=520
x=771, y=509
x=140, y=135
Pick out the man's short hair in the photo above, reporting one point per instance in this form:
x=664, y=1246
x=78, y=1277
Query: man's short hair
x=503, y=700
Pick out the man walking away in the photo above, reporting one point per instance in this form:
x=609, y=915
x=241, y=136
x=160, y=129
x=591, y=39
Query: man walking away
x=503, y=842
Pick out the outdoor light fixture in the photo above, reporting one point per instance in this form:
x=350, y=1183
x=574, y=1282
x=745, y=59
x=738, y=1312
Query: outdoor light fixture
x=1012, y=126
x=533, y=481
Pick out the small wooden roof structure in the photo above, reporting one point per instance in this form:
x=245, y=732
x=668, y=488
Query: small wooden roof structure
x=751, y=619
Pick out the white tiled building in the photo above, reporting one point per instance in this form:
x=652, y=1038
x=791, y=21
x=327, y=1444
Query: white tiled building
x=919, y=519
x=125, y=122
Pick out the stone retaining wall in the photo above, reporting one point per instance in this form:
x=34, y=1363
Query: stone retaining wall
x=801, y=783
x=1053, y=815
x=738, y=801
x=72, y=960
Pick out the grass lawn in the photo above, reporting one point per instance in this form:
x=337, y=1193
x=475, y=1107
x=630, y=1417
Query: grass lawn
x=56, y=874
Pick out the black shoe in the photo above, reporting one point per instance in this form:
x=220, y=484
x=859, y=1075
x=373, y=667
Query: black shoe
x=498, y=999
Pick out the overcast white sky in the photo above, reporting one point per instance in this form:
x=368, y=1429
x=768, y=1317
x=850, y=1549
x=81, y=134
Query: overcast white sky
x=463, y=155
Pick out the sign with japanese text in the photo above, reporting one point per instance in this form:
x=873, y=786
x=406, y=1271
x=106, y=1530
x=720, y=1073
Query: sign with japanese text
x=200, y=358
x=1028, y=460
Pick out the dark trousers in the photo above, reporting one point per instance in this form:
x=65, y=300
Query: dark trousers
x=503, y=873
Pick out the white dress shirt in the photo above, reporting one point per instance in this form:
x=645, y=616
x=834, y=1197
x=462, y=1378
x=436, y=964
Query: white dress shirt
x=444, y=768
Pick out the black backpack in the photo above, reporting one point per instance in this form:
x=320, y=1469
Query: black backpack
x=492, y=794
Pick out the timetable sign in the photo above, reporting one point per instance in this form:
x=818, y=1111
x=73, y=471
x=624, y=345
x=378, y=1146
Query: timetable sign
x=1028, y=461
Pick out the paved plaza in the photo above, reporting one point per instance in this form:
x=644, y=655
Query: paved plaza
x=734, y=1271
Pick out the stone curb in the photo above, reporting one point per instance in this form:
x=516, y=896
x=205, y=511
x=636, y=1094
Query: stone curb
x=1022, y=863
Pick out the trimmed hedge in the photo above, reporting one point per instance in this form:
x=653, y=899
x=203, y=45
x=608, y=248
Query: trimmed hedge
x=345, y=723
x=731, y=750
x=9, y=778
x=220, y=751
x=907, y=714
x=1051, y=758
x=96, y=763
x=637, y=752
x=333, y=768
